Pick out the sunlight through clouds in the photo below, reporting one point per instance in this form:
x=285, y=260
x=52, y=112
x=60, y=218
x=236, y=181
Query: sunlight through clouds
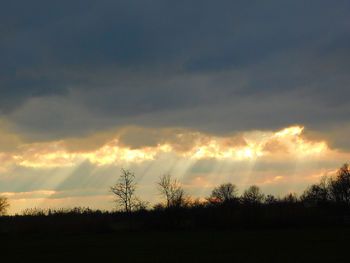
x=197, y=159
x=254, y=145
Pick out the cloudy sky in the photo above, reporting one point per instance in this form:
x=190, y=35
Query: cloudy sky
x=248, y=92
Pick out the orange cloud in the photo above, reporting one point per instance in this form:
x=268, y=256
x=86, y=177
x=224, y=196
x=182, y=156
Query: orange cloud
x=288, y=142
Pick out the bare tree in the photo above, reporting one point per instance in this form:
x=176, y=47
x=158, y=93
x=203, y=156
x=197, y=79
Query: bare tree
x=124, y=190
x=4, y=205
x=172, y=190
x=317, y=194
x=340, y=186
x=224, y=193
x=253, y=195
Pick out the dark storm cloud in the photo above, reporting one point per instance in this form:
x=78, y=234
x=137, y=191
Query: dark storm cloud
x=79, y=66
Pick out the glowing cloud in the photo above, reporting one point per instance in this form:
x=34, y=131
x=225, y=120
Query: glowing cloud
x=188, y=144
x=281, y=161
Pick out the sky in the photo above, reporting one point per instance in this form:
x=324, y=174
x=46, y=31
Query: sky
x=247, y=92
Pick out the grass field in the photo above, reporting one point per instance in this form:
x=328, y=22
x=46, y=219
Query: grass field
x=274, y=245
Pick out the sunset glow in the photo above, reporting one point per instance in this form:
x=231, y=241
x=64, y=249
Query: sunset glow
x=178, y=151
x=288, y=140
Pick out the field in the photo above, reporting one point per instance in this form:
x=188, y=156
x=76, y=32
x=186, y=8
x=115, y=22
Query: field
x=268, y=245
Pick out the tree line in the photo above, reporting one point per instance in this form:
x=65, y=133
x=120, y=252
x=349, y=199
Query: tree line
x=333, y=190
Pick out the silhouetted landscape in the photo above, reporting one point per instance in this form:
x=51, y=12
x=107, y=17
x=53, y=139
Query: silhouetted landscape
x=247, y=227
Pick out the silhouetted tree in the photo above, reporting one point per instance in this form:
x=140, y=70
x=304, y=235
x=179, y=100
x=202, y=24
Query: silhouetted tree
x=139, y=205
x=124, y=190
x=172, y=191
x=194, y=202
x=4, y=205
x=317, y=194
x=339, y=186
x=290, y=198
x=270, y=200
x=223, y=193
x=253, y=196
x=158, y=207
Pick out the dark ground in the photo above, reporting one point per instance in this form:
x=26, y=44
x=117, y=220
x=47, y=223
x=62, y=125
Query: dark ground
x=329, y=244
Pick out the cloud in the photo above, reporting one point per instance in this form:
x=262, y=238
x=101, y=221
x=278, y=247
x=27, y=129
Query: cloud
x=55, y=165
x=9, y=141
x=137, y=144
x=224, y=67
x=52, y=173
